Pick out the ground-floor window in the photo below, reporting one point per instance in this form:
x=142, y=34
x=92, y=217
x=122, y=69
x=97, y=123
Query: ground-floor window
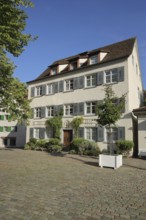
x=12, y=141
x=114, y=134
x=91, y=134
x=36, y=133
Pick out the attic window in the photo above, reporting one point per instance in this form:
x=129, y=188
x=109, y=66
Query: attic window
x=93, y=59
x=54, y=71
x=73, y=65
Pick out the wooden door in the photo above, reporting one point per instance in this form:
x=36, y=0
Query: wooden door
x=67, y=137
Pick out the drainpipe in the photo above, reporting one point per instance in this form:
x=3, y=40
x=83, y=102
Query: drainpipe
x=135, y=135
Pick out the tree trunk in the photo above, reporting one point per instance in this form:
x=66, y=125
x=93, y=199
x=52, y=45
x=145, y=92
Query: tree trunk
x=110, y=139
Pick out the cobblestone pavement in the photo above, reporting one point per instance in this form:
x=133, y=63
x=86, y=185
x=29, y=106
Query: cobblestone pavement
x=37, y=186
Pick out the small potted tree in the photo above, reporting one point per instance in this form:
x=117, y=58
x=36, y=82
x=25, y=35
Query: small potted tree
x=109, y=112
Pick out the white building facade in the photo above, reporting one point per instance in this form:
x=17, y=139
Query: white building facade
x=11, y=133
x=75, y=84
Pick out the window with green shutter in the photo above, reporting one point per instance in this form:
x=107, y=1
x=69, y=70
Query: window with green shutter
x=2, y=117
x=1, y=129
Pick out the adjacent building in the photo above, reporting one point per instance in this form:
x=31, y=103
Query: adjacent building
x=75, y=84
x=11, y=133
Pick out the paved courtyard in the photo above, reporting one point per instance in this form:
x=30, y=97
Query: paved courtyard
x=37, y=186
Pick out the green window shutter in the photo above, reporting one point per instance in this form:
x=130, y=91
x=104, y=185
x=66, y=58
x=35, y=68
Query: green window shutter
x=8, y=129
x=31, y=135
x=9, y=117
x=99, y=78
x=1, y=129
x=2, y=117
x=121, y=74
x=81, y=132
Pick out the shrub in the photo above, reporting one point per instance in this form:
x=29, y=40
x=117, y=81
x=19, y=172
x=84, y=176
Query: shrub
x=33, y=140
x=54, y=141
x=41, y=144
x=56, y=149
x=86, y=147
x=124, y=146
x=27, y=147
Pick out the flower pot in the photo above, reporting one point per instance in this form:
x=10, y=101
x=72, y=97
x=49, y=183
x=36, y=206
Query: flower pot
x=113, y=161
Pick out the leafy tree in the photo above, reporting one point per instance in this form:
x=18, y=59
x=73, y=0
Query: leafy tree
x=75, y=123
x=13, y=93
x=109, y=111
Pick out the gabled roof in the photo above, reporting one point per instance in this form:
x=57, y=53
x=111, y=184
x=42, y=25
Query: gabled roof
x=114, y=51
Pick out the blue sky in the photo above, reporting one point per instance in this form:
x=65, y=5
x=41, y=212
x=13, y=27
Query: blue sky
x=67, y=27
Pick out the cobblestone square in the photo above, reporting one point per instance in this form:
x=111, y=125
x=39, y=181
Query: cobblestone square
x=38, y=186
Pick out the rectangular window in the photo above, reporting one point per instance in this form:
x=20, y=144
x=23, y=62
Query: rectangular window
x=37, y=112
x=50, y=89
x=68, y=109
x=94, y=59
x=50, y=111
x=39, y=90
x=7, y=129
x=54, y=71
x=12, y=141
x=90, y=107
x=69, y=84
x=114, y=134
x=73, y=65
x=1, y=117
x=91, y=134
x=111, y=76
x=36, y=133
x=90, y=80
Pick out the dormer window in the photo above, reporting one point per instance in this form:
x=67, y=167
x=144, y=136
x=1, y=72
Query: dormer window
x=73, y=65
x=93, y=59
x=54, y=71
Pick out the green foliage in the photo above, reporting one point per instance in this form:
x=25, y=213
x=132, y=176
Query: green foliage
x=12, y=26
x=33, y=140
x=84, y=147
x=75, y=123
x=124, y=146
x=56, y=124
x=41, y=144
x=54, y=141
x=13, y=93
x=56, y=149
x=27, y=147
x=108, y=112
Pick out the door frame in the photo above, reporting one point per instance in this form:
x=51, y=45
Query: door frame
x=66, y=129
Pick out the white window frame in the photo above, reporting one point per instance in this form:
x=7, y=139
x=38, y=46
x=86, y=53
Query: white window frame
x=93, y=59
x=91, y=107
x=110, y=76
x=36, y=133
x=68, y=110
x=91, y=133
x=38, y=112
x=69, y=84
x=90, y=80
x=39, y=90
x=114, y=136
x=50, y=111
x=50, y=89
x=54, y=71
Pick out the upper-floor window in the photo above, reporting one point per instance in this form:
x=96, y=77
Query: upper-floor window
x=90, y=107
x=39, y=90
x=50, y=111
x=90, y=80
x=37, y=113
x=68, y=109
x=111, y=76
x=54, y=71
x=94, y=59
x=50, y=88
x=73, y=65
x=69, y=84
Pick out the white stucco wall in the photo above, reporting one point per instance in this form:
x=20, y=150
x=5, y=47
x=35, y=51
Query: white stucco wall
x=142, y=135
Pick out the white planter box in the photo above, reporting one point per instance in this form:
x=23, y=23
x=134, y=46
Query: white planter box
x=107, y=160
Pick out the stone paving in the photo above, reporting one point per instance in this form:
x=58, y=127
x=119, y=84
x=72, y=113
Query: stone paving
x=37, y=186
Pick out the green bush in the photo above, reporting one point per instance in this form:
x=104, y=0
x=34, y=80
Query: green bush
x=41, y=144
x=124, y=146
x=27, y=147
x=33, y=140
x=84, y=147
x=56, y=149
x=54, y=141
